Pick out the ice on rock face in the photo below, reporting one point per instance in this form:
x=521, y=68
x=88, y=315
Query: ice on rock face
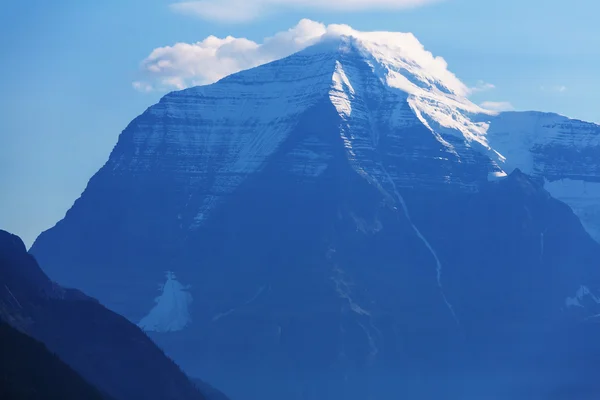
x=171, y=312
x=582, y=293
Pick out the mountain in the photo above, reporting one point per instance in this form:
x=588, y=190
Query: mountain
x=106, y=349
x=340, y=224
x=29, y=371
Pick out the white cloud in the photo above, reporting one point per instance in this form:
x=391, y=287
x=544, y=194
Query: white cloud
x=187, y=64
x=246, y=10
x=497, y=106
x=555, y=88
x=482, y=87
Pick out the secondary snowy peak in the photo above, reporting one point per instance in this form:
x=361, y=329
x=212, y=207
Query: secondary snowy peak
x=522, y=136
x=562, y=152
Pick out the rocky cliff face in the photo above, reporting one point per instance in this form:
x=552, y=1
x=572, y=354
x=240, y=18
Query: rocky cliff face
x=329, y=225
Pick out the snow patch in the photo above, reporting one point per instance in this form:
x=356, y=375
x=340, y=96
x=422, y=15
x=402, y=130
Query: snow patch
x=247, y=302
x=582, y=293
x=427, y=245
x=496, y=176
x=209, y=202
x=13, y=296
x=344, y=291
x=171, y=312
x=374, y=350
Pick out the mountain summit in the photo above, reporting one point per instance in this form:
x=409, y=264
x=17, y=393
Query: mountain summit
x=341, y=218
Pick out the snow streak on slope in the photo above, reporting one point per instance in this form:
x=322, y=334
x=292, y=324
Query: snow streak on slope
x=171, y=312
x=341, y=91
x=247, y=302
x=438, y=263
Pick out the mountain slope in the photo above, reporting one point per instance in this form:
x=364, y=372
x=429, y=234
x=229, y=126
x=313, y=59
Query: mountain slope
x=29, y=371
x=103, y=347
x=331, y=224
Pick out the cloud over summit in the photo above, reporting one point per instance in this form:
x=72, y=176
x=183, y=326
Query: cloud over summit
x=188, y=64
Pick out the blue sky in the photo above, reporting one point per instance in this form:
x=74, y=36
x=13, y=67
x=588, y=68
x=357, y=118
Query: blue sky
x=68, y=66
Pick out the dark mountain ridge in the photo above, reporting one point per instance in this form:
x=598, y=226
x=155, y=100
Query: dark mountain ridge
x=105, y=348
x=28, y=371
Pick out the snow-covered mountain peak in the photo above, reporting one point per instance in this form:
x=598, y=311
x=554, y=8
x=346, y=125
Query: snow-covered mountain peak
x=402, y=65
x=393, y=51
x=392, y=97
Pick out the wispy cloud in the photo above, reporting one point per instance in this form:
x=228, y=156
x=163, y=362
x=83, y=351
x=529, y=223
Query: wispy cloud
x=247, y=10
x=497, y=105
x=482, y=87
x=554, y=88
x=143, y=87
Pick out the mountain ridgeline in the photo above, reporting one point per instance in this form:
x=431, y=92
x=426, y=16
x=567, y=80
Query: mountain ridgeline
x=29, y=371
x=343, y=223
x=107, y=351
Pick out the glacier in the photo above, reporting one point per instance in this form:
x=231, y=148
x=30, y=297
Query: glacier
x=171, y=312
